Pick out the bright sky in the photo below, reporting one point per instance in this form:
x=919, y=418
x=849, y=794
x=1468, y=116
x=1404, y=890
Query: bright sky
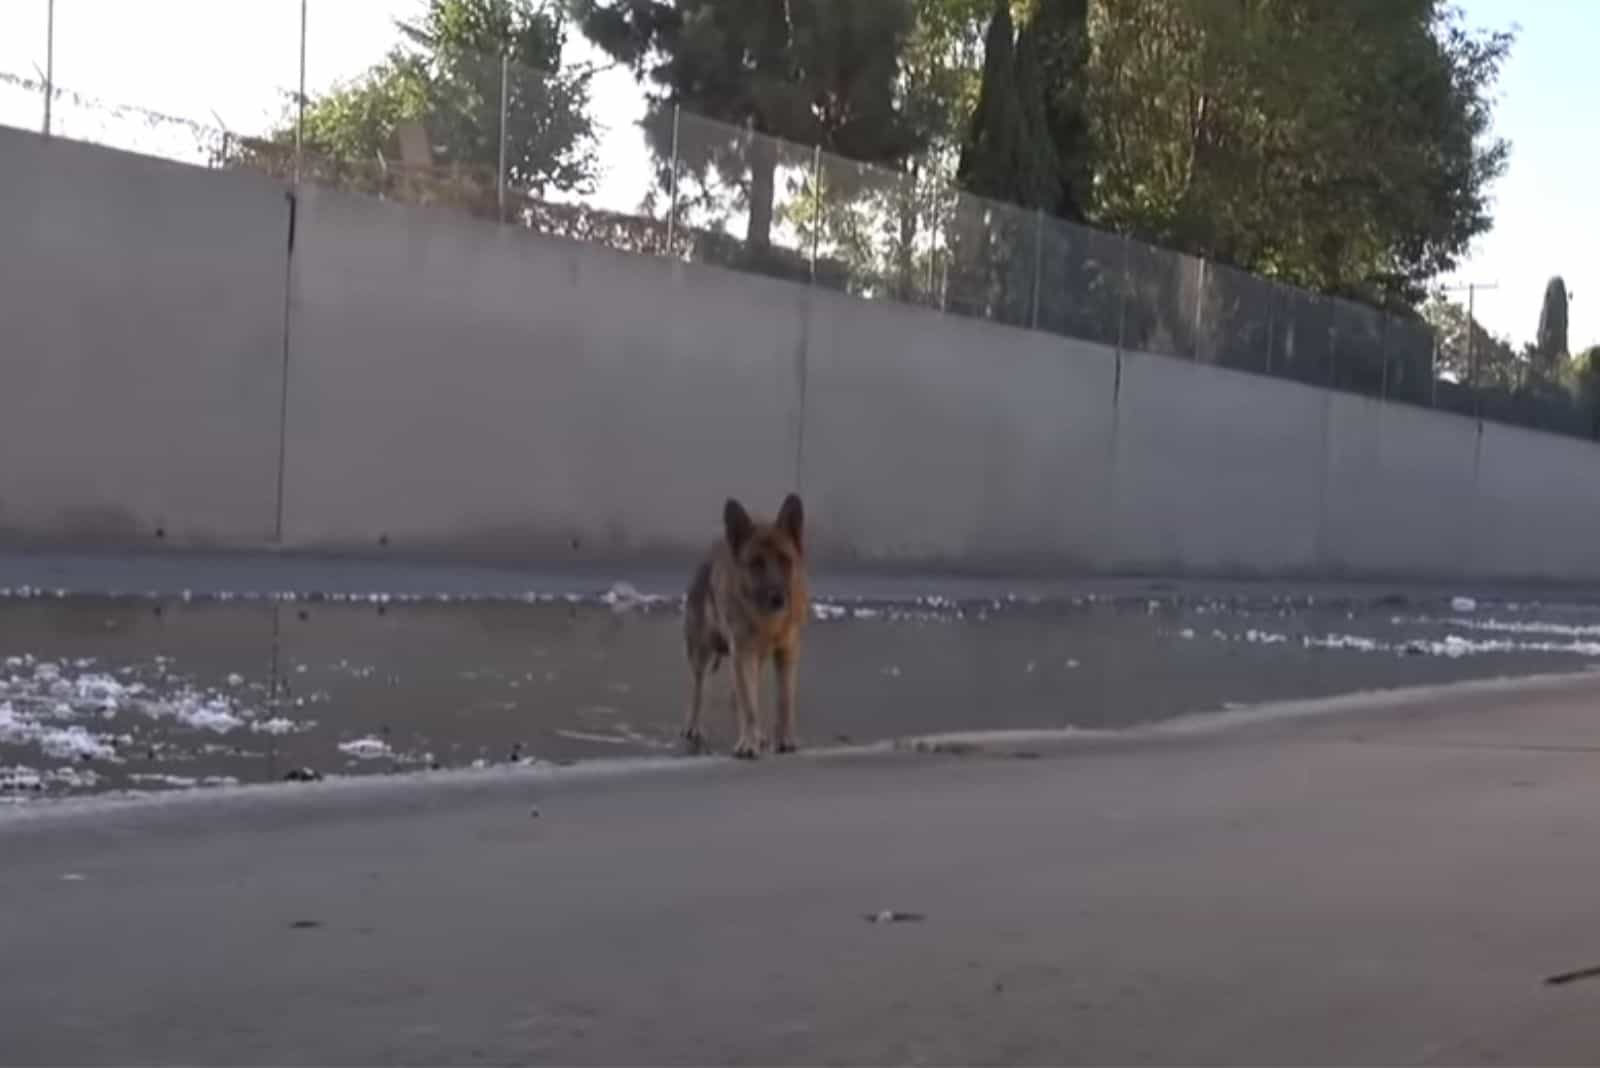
x=235, y=64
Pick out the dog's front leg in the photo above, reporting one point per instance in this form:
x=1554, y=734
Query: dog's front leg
x=746, y=682
x=788, y=664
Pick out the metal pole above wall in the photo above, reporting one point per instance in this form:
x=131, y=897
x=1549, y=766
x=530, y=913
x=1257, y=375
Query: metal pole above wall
x=816, y=214
x=1122, y=302
x=672, y=189
x=300, y=100
x=1038, y=263
x=1472, y=331
x=505, y=103
x=49, y=60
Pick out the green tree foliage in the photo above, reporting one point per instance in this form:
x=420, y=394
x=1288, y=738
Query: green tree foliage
x=1053, y=53
x=1550, y=343
x=1486, y=359
x=814, y=72
x=1007, y=155
x=1342, y=147
x=446, y=75
x=940, y=68
x=1027, y=141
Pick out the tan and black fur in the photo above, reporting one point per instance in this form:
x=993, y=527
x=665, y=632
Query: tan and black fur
x=748, y=601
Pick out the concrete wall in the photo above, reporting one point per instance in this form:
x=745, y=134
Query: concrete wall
x=461, y=386
x=1537, y=501
x=141, y=347
x=458, y=388
x=944, y=441
x=1215, y=472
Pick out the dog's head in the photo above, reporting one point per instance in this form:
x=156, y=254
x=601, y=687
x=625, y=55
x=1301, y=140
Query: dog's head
x=767, y=556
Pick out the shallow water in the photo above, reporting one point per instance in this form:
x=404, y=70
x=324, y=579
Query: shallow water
x=135, y=693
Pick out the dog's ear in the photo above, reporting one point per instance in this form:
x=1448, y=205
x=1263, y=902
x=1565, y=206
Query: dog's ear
x=737, y=525
x=792, y=520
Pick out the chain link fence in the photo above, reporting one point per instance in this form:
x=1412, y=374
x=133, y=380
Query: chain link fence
x=702, y=191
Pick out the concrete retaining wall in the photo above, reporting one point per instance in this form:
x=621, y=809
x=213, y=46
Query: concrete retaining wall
x=141, y=347
x=462, y=389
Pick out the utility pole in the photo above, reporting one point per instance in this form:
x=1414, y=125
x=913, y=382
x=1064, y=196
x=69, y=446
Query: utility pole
x=1472, y=325
x=49, y=61
x=300, y=101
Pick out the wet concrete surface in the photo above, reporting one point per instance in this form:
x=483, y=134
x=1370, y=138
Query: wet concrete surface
x=1404, y=879
x=156, y=692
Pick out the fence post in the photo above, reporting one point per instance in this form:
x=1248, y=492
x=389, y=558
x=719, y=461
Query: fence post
x=1199, y=312
x=1272, y=323
x=1383, y=346
x=505, y=103
x=300, y=99
x=49, y=61
x=816, y=207
x=1433, y=369
x=1333, y=348
x=672, y=187
x=1038, y=261
x=1122, y=300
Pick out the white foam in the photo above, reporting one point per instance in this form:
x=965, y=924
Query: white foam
x=624, y=597
x=277, y=725
x=1497, y=626
x=73, y=743
x=1345, y=641
x=62, y=743
x=19, y=778
x=181, y=782
x=74, y=778
x=368, y=748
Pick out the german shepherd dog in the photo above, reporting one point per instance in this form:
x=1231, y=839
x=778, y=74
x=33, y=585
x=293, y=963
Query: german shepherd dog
x=748, y=601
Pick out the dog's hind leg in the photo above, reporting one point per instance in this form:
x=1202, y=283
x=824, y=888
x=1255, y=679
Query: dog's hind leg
x=693, y=736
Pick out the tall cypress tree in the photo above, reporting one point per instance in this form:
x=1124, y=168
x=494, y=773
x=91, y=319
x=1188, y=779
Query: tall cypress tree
x=1029, y=138
x=1059, y=37
x=1551, y=342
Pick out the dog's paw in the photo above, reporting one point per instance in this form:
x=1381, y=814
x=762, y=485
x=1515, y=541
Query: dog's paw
x=747, y=749
x=786, y=745
x=694, y=741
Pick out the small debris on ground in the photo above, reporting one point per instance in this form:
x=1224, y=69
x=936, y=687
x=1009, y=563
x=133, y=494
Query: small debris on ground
x=946, y=748
x=305, y=925
x=1463, y=604
x=894, y=916
x=1572, y=977
x=302, y=775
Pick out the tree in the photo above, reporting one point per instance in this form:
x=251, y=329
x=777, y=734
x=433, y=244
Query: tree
x=821, y=72
x=998, y=136
x=1551, y=341
x=446, y=76
x=1485, y=360
x=1026, y=143
x=1056, y=41
x=883, y=224
x=1341, y=147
